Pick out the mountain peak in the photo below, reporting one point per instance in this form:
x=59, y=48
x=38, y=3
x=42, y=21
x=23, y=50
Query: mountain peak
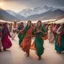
x=28, y=9
x=37, y=10
x=58, y=9
x=46, y=7
x=45, y=12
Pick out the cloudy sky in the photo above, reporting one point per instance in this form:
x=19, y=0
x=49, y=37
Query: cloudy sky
x=18, y=5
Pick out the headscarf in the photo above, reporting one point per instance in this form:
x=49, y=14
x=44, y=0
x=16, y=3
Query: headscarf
x=5, y=30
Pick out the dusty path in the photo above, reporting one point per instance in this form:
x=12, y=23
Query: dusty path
x=16, y=56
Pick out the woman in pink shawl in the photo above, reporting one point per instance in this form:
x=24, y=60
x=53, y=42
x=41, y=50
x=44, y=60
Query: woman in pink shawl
x=6, y=43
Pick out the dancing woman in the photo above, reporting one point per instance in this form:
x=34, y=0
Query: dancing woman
x=6, y=43
x=20, y=35
x=26, y=42
x=59, y=41
x=39, y=31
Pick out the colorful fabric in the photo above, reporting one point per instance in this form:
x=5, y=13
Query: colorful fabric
x=6, y=43
x=0, y=43
x=33, y=46
x=21, y=35
x=39, y=41
x=50, y=36
x=26, y=42
x=5, y=38
x=59, y=42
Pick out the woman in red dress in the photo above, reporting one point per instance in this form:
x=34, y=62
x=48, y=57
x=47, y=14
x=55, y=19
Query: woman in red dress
x=6, y=43
x=26, y=42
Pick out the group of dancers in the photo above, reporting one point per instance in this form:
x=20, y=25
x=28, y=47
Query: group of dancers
x=52, y=32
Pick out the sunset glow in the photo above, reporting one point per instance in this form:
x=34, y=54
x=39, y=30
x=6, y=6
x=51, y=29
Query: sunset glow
x=1, y=4
x=14, y=6
x=19, y=5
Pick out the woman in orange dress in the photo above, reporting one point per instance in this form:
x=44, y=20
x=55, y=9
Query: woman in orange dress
x=26, y=42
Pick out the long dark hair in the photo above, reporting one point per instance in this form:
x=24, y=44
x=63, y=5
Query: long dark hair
x=30, y=22
x=40, y=24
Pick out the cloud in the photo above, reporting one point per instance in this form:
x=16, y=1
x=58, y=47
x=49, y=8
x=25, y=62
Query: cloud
x=33, y=3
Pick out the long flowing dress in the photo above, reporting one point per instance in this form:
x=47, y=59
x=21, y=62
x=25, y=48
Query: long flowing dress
x=26, y=41
x=59, y=42
x=39, y=41
x=6, y=43
x=50, y=35
x=20, y=35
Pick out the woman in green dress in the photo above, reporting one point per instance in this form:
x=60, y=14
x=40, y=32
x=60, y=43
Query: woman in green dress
x=39, y=31
x=59, y=41
x=20, y=35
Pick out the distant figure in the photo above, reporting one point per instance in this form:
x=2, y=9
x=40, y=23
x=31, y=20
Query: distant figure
x=0, y=37
x=14, y=30
x=54, y=30
x=50, y=34
x=10, y=27
x=6, y=43
x=26, y=42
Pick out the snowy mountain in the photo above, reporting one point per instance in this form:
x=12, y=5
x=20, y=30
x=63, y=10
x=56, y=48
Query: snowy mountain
x=42, y=13
x=36, y=10
x=6, y=16
x=54, y=14
x=25, y=12
x=11, y=12
x=20, y=17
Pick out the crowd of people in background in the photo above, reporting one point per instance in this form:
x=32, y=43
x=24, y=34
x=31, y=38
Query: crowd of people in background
x=41, y=31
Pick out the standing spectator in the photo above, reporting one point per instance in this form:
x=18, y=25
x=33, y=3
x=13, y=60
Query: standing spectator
x=14, y=30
